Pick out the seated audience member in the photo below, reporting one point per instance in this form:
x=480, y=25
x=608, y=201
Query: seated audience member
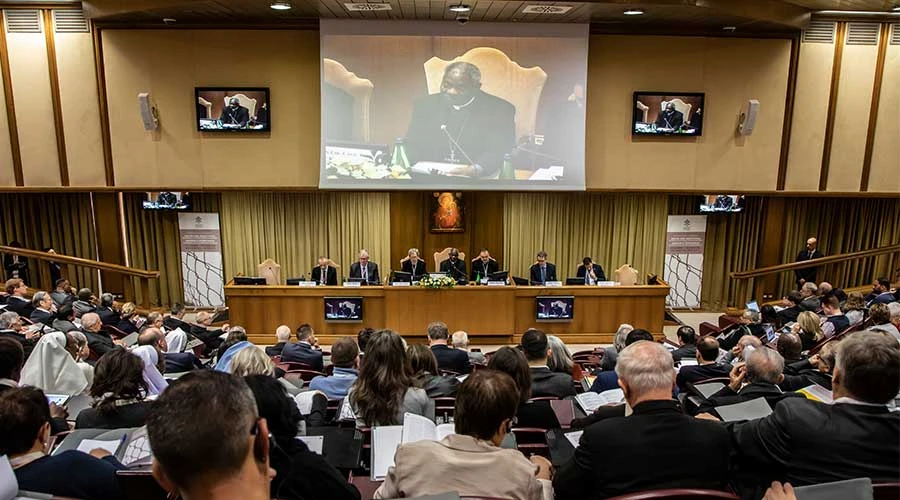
x=118, y=390
x=362, y=339
x=305, y=350
x=460, y=340
x=384, y=390
x=219, y=448
x=174, y=319
x=608, y=360
x=894, y=308
x=809, y=328
x=485, y=411
x=454, y=360
x=24, y=433
x=806, y=442
x=815, y=370
x=881, y=292
x=657, y=431
x=543, y=381
x=11, y=328
x=12, y=358
x=154, y=320
x=607, y=380
x=150, y=358
x=202, y=330
x=300, y=473
x=99, y=341
x=52, y=368
x=560, y=360
x=77, y=345
x=282, y=337
x=880, y=314
x=128, y=318
x=538, y=414
x=254, y=361
x=687, y=338
x=751, y=324
x=229, y=351
x=768, y=315
x=791, y=309
x=810, y=301
x=64, y=321
x=834, y=321
x=855, y=308
x=756, y=378
x=744, y=346
x=790, y=347
x=85, y=303
x=169, y=361
x=426, y=375
x=176, y=340
x=234, y=335
x=345, y=358
x=43, y=308
x=706, y=367
x=108, y=315
x=62, y=293
x=15, y=300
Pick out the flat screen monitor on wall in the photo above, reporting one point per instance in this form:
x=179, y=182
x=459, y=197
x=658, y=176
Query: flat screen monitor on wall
x=167, y=200
x=667, y=113
x=435, y=105
x=232, y=109
x=721, y=203
x=343, y=309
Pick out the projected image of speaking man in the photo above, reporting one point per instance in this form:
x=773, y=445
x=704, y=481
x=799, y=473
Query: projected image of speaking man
x=462, y=124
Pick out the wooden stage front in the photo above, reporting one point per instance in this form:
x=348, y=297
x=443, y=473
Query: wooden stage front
x=490, y=314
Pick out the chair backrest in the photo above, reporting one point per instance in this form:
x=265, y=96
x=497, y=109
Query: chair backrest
x=444, y=255
x=365, y=485
x=246, y=102
x=627, y=275
x=270, y=270
x=360, y=89
x=645, y=110
x=140, y=485
x=304, y=375
x=677, y=494
x=206, y=104
x=680, y=106
x=502, y=77
x=531, y=440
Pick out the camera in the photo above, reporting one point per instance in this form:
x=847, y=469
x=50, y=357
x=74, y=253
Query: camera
x=462, y=17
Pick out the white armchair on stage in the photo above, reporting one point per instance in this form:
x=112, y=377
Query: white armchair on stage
x=360, y=89
x=246, y=102
x=270, y=270
x=207, y=105
x=444, y=255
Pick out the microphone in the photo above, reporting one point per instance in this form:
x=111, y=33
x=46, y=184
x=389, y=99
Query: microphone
x=456, y=144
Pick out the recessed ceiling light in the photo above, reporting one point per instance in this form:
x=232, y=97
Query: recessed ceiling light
x=461, y=7
x=280, y=6
x=896, y=8
x=634, y=12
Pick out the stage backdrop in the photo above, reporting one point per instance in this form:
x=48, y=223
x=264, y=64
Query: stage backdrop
x=685, y=238
x=201, y=259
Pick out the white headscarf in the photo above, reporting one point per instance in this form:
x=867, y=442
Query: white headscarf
x=176, y=340
x=52, y=369
x=155, y=381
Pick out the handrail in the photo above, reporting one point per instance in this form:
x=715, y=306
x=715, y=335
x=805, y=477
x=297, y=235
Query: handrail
x=78, y=261
x=831, y=259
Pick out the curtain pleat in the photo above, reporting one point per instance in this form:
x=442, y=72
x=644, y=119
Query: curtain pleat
x=154, y=243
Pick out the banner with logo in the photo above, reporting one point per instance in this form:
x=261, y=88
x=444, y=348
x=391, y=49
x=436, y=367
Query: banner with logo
x=685, y=239
x=202, y=271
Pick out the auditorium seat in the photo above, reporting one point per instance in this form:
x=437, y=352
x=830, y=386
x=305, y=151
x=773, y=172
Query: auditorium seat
x=359, y=89
x=302, y=375
x=365, y=485
x=676, y=494
x=531, y=441
x=444, y=407
x=140, y=485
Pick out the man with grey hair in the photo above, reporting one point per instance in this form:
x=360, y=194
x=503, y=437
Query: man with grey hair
x=44, y=308
x=282, y=337
x=461, y=342
x=455, y=360
x=365, y=270
x=85, y=302
x=99, y=341
x=462, y=124
x=806, y=442
x=612, y=450
x=108, y=315
x=810, y=301
x=11, y=328
x=413, y=264
x=611, y=354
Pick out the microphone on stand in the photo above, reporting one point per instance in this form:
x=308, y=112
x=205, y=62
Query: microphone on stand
x=456, y=144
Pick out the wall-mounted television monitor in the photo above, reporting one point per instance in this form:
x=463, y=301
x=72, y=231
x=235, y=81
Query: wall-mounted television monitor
x=167, y=200
x=554, y=308
x=343, y=309
x=667, y=113
x=233, y=109
x=721, y=203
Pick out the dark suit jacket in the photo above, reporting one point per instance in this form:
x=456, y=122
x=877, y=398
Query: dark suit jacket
x=371, y=269
x=448, y=358
x=301, y=352
x=437, y=386
x=726, y=396
x=239, y=116
x=27, y=344
x=41, y=316
x=177, y=362
x=802, y=374
x=21, y=266
x=482, y=269
x=698, y=373
x=330, y=275
x=172, y=323
x=417, y=272
x=805, y=442
x=789, y=315
x=598, y=271
x=100, y=343
x=809, y=273
x=455, y=270
x=108, y=316
x=61, y=298
x=19, y=305
x=550, y=274
x=687, y=351
x=611, y=452
x=811, y=303
x=547, y=383
x=275, y=350
x=485, y=131
x=209, y=337
x=670, y=119
x=881, y=298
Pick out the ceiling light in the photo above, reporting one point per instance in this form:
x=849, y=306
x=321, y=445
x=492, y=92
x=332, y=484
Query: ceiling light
x=729, y=28
x=896, y=8
x=280, y=6
x=634, y=12
x=460, y=8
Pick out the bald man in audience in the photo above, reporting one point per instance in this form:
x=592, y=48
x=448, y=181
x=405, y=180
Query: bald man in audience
x=210, y=336
x=282, y=337
x=806, y=442
x=99, y=341
x=789, y=346
x=460, y=340
x=156, y=338
x=616, y=456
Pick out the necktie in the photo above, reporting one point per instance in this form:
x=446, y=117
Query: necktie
x=322, y=274
x=543, y=275
x=365, y=275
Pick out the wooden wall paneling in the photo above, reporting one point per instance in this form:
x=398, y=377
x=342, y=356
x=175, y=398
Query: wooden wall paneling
x=770, y=250
x=109, y=239
x=883, y=35
x=10, y=105
x=832, y=104
x=787, y=124
x=407, y=222
x=103, y=103
x=883, y=176
x=488, y=229
x=56, y=100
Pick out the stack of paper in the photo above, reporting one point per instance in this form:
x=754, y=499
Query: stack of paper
x=386, y=440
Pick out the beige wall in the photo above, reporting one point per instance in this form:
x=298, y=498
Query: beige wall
x=7, y=174
x=885, y=173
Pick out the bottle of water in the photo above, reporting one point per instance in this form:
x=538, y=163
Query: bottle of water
x=507, y=173
x=399, y=160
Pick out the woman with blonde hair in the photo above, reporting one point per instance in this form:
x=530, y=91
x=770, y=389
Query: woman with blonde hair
x=128, y=318
x=808, y=328
x=251, y=362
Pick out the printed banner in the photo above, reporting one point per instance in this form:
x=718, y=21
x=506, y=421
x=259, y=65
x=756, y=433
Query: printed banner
x=685, y=238
x=202, y=271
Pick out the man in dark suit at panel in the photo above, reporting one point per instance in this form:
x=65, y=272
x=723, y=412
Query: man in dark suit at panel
x=305, y=350
x=483, y=265
x=462, y=124
x=706, y=367
x=448, y=358
x=542, y=271
x=590, y=272
x=413, y=265
x=806, y=442
x=324, y=274
x=544, y=382
x=611, y=451
x=234, y=114
x=454, y=267
x=670, y=117
x=808, y=274
x=365, y=270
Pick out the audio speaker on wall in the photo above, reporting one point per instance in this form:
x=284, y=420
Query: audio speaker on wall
x=148, y=112
x=748, y=117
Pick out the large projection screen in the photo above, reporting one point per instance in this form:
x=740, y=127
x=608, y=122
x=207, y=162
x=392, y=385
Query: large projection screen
x=438, y=105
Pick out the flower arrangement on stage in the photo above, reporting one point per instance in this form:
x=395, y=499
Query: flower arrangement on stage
x=429, y=281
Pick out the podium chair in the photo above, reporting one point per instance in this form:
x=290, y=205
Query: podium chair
x=626, y=275
x=644, y=109
x=270, y=270
x=444, y=255
x=360, y=89
x=207, y=105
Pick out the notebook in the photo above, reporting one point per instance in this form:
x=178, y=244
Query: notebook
x=130, y=446
x=590, y=401
x=748, y=410
x=386, y=439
